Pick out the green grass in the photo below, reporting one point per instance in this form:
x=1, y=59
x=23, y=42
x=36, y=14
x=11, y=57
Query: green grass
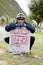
x=9, y=8
x=38, y=45
x=26, y=59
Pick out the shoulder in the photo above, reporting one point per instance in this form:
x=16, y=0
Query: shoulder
x=11, y=24
x=27, y=23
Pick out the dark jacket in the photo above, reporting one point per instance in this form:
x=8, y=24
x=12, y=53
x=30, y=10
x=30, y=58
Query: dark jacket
x=15, y=25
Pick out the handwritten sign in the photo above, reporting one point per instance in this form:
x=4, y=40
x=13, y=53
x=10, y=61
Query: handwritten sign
x=19, y=40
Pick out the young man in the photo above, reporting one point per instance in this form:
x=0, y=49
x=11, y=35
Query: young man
x=20, y=22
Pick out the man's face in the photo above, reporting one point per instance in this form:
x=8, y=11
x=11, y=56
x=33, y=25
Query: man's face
x=20, y=20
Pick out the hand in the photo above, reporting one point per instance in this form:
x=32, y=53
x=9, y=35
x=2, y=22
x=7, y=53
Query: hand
x=21, y=25
x=24, y=24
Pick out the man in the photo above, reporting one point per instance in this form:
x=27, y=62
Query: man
x=20, y=22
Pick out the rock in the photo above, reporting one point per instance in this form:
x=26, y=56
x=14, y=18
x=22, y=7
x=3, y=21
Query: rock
x=3, y=62
x=2, y=51
x=36, y=56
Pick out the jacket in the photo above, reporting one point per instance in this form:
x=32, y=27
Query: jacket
x=14, y=25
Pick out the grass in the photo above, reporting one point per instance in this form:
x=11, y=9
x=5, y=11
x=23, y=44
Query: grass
x=9, y=8
x=26, y=59
x=38, y=46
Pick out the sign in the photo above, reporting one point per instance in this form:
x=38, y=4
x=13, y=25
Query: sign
x=19, y=40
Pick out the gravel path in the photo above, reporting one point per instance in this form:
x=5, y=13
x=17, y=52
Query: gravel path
x=3, y=33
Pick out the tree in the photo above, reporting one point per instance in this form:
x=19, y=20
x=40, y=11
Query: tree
x=35, y=18
x=36, y=11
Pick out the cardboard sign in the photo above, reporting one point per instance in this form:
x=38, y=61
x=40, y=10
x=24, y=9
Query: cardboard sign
x=19, y=40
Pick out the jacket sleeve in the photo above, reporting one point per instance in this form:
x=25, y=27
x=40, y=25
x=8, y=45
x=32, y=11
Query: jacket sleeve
x=30, y=27
x=10, y=27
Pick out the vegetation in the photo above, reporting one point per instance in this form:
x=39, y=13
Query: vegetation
x=9, y=8
x=26, y=59
x=36, y=11
x=8, y=11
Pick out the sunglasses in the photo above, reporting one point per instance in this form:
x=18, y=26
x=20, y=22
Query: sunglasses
x=20, y=18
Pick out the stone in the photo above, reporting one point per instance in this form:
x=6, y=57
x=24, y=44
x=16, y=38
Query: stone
x=2, y=51
x=3, y=62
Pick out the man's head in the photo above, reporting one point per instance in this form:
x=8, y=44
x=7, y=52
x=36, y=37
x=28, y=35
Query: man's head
x=20, y=18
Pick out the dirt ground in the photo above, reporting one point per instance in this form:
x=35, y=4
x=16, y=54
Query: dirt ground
x=3, y=33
